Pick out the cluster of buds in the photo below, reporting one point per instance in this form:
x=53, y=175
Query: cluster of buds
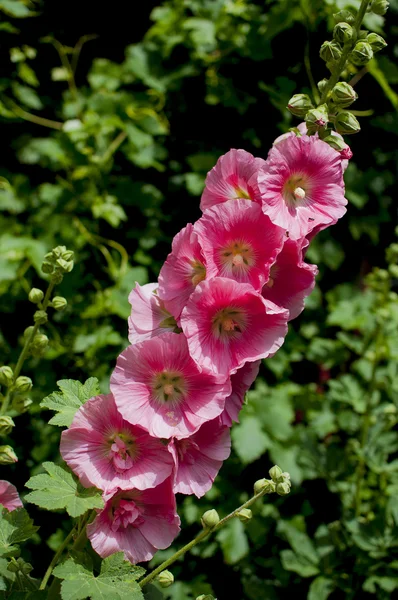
x=58, y=262
x=348, y=46
x=279, y=483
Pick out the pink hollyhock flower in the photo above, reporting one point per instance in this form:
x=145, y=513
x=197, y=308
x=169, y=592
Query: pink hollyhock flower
x=148, y=318
x=184, y=268
x=239, y=241
x=199, y=457
x=106, y=451
x=291, y=279
x=135, y=522
x=241, y=382
x=9, y=496
x=302, y=185
x=233, y=177
x=228, y=323
x=159, y=386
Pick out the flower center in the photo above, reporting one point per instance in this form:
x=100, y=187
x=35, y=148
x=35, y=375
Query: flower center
x=198, y=272
x=241, y=193
x=168, y=386
x=126, y=514
x=295, y=190
x=123, y=451
x=183, y=448
x=237, y=256
x=229, y=323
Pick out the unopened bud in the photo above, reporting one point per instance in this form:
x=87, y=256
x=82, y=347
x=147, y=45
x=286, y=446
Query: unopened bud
x=276, y=474
x=299, y=104
x=28, y=331
x=391, y=254
x=361, y=54
x=376, y=41
x=393, y=270
x=40, y=317
x=65, y=266
x=244, y=515
x=26, y=567
x=6, y=376
x=342, y=32
x=206, y=597
x=330, y=51
x=59, y=303
x=344, y=15
x=68, y=255
x=23, y=384
x=346, y=123
x=210, y=519
x=7, y=455
x=39, y=344
x=379, y=7
x=343, y=94
x=57, y=277
x=317, y=118
x=282, y=489
x=21, y=404
x=47, y=267
x=264, y=486
x=36, y=295
x=165, y=579
x=57, y=252
x=13, y=567
x=335, y=142
x=6, y=425
x=322, y=84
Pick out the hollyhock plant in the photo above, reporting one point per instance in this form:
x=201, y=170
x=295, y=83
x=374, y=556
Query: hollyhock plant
x=199, y=457
x=241, y=382
x=106, y=451
x=184, y=268
x=233, y=177
x=291, y=279
x=9, y=496
x=302, y=185
x=148, y=318
x=228, y=323
x=158, y=385
x=239, y=241
x=136, y=522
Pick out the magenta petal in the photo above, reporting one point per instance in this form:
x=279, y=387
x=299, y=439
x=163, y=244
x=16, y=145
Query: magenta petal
x=9, y=496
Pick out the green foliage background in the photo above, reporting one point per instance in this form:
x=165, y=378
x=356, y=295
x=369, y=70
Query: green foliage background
x=109, y=126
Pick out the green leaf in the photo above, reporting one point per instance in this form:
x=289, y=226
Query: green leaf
x=299, y=541
x=27, y=96
x=346, y=389
x=73, y=395
x=15, y=527
x=233, y=541
x=15, y=8
x=249, y=440
x=320, y=588
x=58, y=489
x=298, y=564
x=116, y=581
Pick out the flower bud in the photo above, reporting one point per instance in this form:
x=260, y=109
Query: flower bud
x=7, y=455
x=26, y=567
x=379, y=7
x=393, y=270
x=244, y=515
x=343, y=94
x=276, y=474
x=346, y=123
x=376, y=41
x=36, y=295
x=391, y=255
x=210, y=519
x=361, y=54
x=40, y=317
x=265, y=486
x=21, y=404
x=299, y=104
x=363, y=34
x=59, y=303
x=39, y=344
x=165, y=579
x=342, y=32
x=13, y=567
x=57, y=277
x=282, y=489
x=206, y=597
x=316, y=118
x=23, y=384
x=322, y=84
x=28, y=331
x=330, y=51
x=65, y=266
x=6, y=425
x=6, y=376
x=344, y=15
x=57, y=252
x=335, y=142
x=68, y=255
x=47, y=267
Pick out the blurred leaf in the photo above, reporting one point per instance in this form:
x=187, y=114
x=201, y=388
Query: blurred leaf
x=233, y=541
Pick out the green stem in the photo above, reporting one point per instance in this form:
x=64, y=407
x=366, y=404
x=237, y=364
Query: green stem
x=118, y=141
x=56, y=558
x=346, y=50
x=27, y=116
x=25, y=349
x=200, y=537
